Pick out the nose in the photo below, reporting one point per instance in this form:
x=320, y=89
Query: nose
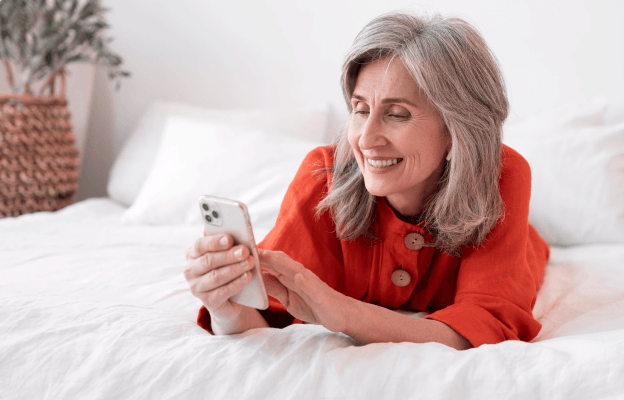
x=371, y=134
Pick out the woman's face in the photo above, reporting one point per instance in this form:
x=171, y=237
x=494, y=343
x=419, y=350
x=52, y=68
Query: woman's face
x=397, y=136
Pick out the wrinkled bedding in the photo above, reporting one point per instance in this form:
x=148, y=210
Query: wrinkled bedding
x=91, y=308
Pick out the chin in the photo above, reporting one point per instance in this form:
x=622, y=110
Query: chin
x=375, y=190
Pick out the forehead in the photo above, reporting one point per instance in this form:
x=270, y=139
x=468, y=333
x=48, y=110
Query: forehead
x=387, y=78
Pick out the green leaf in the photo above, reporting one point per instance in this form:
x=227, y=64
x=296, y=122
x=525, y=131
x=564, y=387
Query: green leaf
x=100, y=25
x=78, y=58
x=74, y=6
x=88, y=10
x=49, y=58
x=40, y=36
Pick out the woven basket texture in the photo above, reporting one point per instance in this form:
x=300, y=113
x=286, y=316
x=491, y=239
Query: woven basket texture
x=39, y=164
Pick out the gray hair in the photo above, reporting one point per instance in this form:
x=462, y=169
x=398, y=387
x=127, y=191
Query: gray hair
x=453, y=66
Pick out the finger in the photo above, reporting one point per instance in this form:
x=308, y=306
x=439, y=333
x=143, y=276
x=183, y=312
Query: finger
x=213, y=260
x=286, y=270
x=277, y=256
x=275, y=289
x=265, y=261
x=279, y=263
x=215, y=298
x=221, y=276
x=292, y=275
x=209, y=243
x=284, y=279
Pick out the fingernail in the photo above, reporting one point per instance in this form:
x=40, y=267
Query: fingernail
x=223, y=241
x=238, y=252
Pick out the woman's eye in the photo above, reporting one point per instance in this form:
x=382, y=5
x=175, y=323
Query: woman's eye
x=398, y=113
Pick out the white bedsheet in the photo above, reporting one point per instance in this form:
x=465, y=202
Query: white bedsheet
x=93, y=309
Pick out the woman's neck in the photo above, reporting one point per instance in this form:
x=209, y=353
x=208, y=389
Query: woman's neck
x=413, y=219
x=410, y=204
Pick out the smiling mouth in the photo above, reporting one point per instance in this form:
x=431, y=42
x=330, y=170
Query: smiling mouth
x=383, y=163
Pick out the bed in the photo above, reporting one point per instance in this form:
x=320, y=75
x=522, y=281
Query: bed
x=94, y=305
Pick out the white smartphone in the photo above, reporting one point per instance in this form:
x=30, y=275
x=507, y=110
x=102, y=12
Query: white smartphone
x=230, y=216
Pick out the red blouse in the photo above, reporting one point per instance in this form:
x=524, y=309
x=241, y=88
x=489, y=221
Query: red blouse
x=486, y=294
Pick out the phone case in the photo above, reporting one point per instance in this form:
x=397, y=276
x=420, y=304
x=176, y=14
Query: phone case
x=224, y=215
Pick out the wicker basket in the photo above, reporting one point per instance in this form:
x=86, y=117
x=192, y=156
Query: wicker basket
x=39, y=161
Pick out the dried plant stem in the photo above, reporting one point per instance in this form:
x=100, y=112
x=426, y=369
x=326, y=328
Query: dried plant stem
x=49, y=83
x=9, y=72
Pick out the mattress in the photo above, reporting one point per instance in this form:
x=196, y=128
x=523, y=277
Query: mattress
x=92, y=308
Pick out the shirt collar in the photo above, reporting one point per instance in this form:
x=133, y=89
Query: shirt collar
x=389, y=224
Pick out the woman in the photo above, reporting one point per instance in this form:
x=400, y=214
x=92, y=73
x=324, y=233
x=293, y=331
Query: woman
x=417, y=206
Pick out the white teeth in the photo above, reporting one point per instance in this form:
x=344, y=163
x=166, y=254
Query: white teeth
x=382, y=163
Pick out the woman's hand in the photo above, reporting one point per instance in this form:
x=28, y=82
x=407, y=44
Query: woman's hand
x=216, y=271
x=304, y=294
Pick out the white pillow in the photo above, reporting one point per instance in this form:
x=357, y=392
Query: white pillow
x=577, y=194
x=135, y=160
x=199, y=158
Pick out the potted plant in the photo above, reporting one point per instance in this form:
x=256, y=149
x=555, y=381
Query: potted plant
x=39, y=163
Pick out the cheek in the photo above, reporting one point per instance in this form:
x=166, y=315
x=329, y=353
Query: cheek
x=432, y=157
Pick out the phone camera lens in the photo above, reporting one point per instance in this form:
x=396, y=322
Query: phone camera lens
x=208, y=218
x=205, y=206
x=215, y=214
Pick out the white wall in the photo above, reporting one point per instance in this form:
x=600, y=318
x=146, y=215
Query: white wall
x=248, y=53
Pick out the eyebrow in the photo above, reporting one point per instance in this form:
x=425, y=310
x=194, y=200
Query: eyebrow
x=387, y=100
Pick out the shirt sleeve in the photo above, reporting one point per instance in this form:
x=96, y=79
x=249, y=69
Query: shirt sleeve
x=301, y=234
x=497, y=282
x=276, y=316
x=298, y=232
